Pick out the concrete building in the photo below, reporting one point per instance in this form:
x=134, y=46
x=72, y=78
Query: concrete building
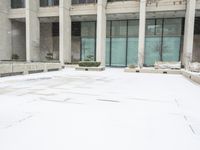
x=114, y=32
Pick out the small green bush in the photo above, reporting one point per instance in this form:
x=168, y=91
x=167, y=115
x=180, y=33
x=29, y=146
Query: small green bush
x=15, y=56
x=89, y=64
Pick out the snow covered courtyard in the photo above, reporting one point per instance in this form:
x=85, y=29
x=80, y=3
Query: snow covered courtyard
x=109, y=110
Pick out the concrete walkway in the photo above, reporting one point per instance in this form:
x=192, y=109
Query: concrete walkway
x=110, y=110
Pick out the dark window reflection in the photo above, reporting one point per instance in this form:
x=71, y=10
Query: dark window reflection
x=83, y=1
x=17, y=3
x=45, y=3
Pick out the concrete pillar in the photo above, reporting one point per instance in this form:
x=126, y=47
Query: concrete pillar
x=32, y=31
x=141, y=41
x=5, y=31
x=65, y=31
x=101, y=32
x=189, y=32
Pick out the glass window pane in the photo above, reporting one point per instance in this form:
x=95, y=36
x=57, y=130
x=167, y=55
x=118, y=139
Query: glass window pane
x=150, y=27
x=88, y=49
x=172, y=26
x=108, y=28
x=44, y=3
x=119, y=28
x=118, y=52
x=132, y=45
x=196, y=44
x=171, y=48
x=17, y=3
x=88, y=29
x=88, y=33
x=132, y=56
x=152, y=50
x=107, y=51
x=133, y=28
x=159, y=26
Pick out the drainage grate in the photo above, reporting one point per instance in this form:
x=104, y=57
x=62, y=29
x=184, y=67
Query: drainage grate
x=11, y=74
x=108, y=100
x=56, y=69
x=35, y=71
x=164, y=72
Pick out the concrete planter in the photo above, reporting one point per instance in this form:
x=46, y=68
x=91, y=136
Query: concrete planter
x=100, y=68
x=167, y=65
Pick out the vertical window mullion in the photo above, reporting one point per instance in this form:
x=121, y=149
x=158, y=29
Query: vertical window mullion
x=126, y=42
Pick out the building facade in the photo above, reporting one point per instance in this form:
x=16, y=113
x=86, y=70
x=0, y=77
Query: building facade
x=117, y=33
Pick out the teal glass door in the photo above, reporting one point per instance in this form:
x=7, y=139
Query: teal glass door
x=152, y=50
x=118, y=40
x=132, y=45
x=171, y=48
x=172, y=32
x=118, y=57
x=153, y=42
x=88, y=41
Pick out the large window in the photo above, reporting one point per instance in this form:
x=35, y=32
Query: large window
x=17, y=3
x=83, y=1
x=46, y=3
x=163, y=40
x=122, y=43
x=196, y=45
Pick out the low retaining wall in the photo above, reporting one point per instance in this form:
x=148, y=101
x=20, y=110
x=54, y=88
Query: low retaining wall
x=188, y=74
x=7, y=69
x=192, y=76
x=153, y=70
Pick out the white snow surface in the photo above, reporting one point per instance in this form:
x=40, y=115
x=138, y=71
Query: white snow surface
x=109, y=110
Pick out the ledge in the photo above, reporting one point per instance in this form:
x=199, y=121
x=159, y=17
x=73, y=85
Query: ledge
x=195, y=77
x=153, y=70
x=15, y=68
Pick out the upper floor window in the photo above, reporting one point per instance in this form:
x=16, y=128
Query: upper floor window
x=83, y=1
x=118, y=0
x=46, y=3
x=17, y=3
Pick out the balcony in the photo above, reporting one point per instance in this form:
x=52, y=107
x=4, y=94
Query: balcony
x=49, y=3
x=17, y=4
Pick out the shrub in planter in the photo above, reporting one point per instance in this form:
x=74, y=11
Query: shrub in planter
x=49, y=56
x=15, y=56
x=132, y=66
x=89, y=64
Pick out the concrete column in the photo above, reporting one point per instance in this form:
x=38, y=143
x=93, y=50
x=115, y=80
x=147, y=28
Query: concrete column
x=101, y=32
x=141, y=41
x=32, y=31
x=65, y=31
x=5, y=31
x=189, y=32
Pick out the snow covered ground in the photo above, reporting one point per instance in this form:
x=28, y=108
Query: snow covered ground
x=110, y=110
